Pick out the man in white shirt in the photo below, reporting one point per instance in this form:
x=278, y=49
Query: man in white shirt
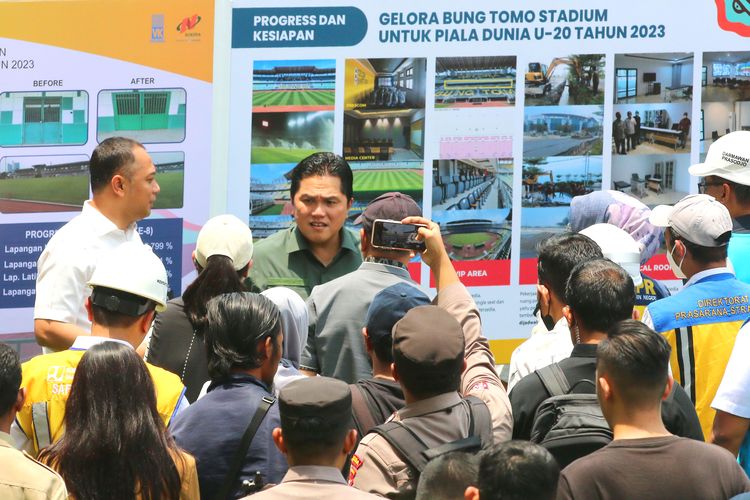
x=558, y=256
x=124, y=187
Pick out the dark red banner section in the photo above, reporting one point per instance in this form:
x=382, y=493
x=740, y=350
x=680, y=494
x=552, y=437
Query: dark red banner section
x=658, y=268
x=481, y=272
x=527, y=272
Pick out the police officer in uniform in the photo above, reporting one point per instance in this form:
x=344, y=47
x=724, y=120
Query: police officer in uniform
x=440, y=358
x=20, y=475
x=316, y=436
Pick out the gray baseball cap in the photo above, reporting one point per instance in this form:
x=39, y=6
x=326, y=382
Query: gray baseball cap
x=698, y=218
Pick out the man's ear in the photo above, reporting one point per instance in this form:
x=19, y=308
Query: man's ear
x=89, y=309
x=364, y=242
x=668, y=388
x=350, y=203
x=146, y=320
x=543, y=293
x=278, y=439
x=350, y=441
x=569, y=317
x=394, y=372
x=366, y=336
x=117, y=183
x=471, y=493
x=20, y=398
x=604, y=388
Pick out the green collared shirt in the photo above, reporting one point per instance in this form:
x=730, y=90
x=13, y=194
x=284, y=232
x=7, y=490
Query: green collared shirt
x=285, y=259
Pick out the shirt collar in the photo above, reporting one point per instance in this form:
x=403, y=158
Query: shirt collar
x=387, y=262
x=85, y=342
x=708, y=272
x=741, y=224
x=584, y=351
x=429, y=405
x=313, y=472
x=101, y=224
x=6, y=440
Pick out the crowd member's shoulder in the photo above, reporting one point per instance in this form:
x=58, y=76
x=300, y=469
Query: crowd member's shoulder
x=20, y=470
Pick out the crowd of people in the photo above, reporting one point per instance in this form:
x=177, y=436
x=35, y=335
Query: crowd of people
x=311, y=365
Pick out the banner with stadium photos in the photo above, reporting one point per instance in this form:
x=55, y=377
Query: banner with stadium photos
x=492, y=116
x=64, y=88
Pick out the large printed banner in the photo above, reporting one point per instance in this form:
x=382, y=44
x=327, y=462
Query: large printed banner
x=493, y=116
x=73, y=73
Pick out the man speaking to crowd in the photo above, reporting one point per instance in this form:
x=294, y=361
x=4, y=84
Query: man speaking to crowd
x=317, y=248
x=124, y=187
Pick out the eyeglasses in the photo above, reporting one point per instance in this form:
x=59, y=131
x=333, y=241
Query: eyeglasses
x=703, y=185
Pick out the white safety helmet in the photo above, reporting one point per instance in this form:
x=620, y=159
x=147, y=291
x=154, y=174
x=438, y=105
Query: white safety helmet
x=618, y=246
x=133, y=268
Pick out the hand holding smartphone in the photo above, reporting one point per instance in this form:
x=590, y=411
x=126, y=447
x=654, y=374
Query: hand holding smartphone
x=395, y=235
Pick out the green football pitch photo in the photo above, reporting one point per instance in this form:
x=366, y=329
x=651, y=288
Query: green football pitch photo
x=387, y=180
x=70, y=190
x=293, y=99
x=172, y=186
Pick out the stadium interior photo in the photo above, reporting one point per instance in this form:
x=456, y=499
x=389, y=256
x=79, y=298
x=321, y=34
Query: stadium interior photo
x=660, y=127
x=462, y=82
x=290, y=137
x=726, y=95
x=170, y=173
x=294, y=85
x=663, y=77
x=654, y=179
x=384, y=102
x=472, y=184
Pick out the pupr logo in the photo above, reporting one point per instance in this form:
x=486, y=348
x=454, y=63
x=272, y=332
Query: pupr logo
x=734, y=15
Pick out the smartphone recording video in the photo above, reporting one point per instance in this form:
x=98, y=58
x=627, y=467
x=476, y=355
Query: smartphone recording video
x=393, y=235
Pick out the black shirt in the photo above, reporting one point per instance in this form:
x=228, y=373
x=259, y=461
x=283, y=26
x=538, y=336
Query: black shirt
x=382, y=396
x=176, y=347
x=678, y=412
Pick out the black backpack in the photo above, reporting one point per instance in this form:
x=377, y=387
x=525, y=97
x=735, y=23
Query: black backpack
x=416, y=453
x=569, y=425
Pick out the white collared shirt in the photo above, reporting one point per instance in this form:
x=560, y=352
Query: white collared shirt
x=540, y=350
x=67, y=263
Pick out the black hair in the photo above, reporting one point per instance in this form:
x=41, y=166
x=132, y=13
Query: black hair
x=518, y=470
x=637, y=359
x=323, y=164
x=115, y=319
x=704, y=255
x=109, y=158
x=383, y=348
x=558, y=256
x=10, y=377
x=237, y=322
x=427, y=380
x=741, y=191
x=219, y=276
x=447, y=476
x=600, y=293
x=115, y=443
x=310, y=439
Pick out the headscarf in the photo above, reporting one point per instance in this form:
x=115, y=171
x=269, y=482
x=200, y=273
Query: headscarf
x=621, y=210
x=294, y=321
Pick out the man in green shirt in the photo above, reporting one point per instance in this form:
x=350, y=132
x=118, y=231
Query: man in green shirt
x=317, y=248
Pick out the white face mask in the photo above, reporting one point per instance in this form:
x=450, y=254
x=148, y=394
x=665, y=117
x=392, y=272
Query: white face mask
x=676, y=269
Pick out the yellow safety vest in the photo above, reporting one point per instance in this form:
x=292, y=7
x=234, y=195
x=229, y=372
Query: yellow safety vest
x=47, y=380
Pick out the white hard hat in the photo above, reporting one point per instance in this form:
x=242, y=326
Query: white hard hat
x=618, y=246
x=225, y=235
x=133, y=268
